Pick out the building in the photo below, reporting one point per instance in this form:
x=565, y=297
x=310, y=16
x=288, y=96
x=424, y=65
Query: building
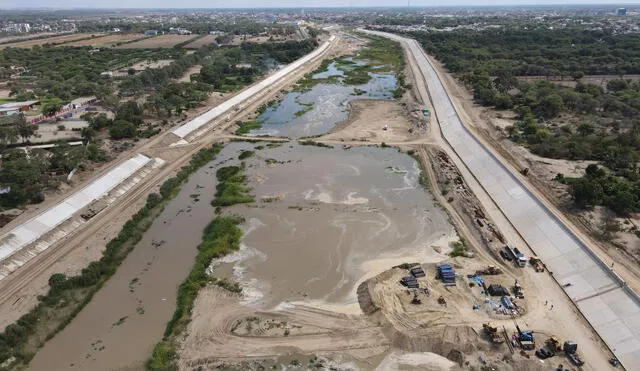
x=151, y=32
x=621, y=11
x=179, y=31
x=14, y=108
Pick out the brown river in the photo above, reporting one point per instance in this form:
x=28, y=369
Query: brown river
x=324, y=219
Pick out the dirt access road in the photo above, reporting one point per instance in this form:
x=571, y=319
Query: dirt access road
x=19, y=292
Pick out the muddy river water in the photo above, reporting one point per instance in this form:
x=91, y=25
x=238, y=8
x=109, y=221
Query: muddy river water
x=338, y=216
x=324, y=219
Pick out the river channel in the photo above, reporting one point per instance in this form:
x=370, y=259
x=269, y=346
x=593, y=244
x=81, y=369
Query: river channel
x=324, y=219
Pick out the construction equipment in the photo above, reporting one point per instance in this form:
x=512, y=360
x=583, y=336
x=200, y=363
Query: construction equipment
x=518, y=291
x=554, y=344
x=416, y=300
x=537, y=263
x=441, y=301
x=545, y=352
x=492, y=332
x=570, y=348
x=517, y=255
x=491, y=270
x=526, y=339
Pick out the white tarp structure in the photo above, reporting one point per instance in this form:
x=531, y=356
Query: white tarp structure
x=32, y=230
x=193, y=125
x=611, y=307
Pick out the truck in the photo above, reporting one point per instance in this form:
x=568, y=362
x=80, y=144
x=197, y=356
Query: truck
x=519, y=257
x=571, y=350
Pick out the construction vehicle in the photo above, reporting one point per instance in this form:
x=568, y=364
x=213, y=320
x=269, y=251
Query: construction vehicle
x=416, y=300
x=526, y=339
x=441, y=301
x=545, y=352
x=518, y=291
x=491, y=270
x=570, y=349
x=537, y=263
x=492, y=332
x=517, y=255
x=554, y=344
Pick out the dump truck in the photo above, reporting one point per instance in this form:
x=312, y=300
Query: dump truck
x=536, y=263
x=492, y=333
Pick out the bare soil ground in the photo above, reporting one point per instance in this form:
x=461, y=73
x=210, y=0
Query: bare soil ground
x=237, y=40
x=143, y=65
x=187, y=75
x=22, y=37
x=49, y=40
x=363, y=113
x=162, y=41
x=209, y=39
x=108, y=40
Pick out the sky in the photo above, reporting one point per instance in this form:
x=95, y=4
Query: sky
x=280, y=3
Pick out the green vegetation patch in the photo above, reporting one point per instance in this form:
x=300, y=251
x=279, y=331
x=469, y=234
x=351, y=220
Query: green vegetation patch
x=246, y=154
x=460, y=249
x=68, y=295
x=231, y=188
x=303, y=110
x=246, y=126
x=221, y=237
x=314, y=143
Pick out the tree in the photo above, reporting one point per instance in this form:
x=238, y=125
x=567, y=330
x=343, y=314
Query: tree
x=88, y=134
x=129, y=111
x=8, y=135
x=585, y=129
x=577, y=75
x=586, y=192
x=503, y=101
x=52, y=106
x=24, y=129
x=593, y=171
x=550, y=106
x=617, y=85
x=122, y=129
x=622, y=202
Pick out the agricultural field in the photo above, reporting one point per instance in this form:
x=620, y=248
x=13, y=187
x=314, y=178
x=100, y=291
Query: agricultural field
x=109, y=40
x=50, y=40
x=7, y=39
x=209, y=39
x=163, y=41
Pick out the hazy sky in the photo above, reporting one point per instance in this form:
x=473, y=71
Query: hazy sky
x=276, y=3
